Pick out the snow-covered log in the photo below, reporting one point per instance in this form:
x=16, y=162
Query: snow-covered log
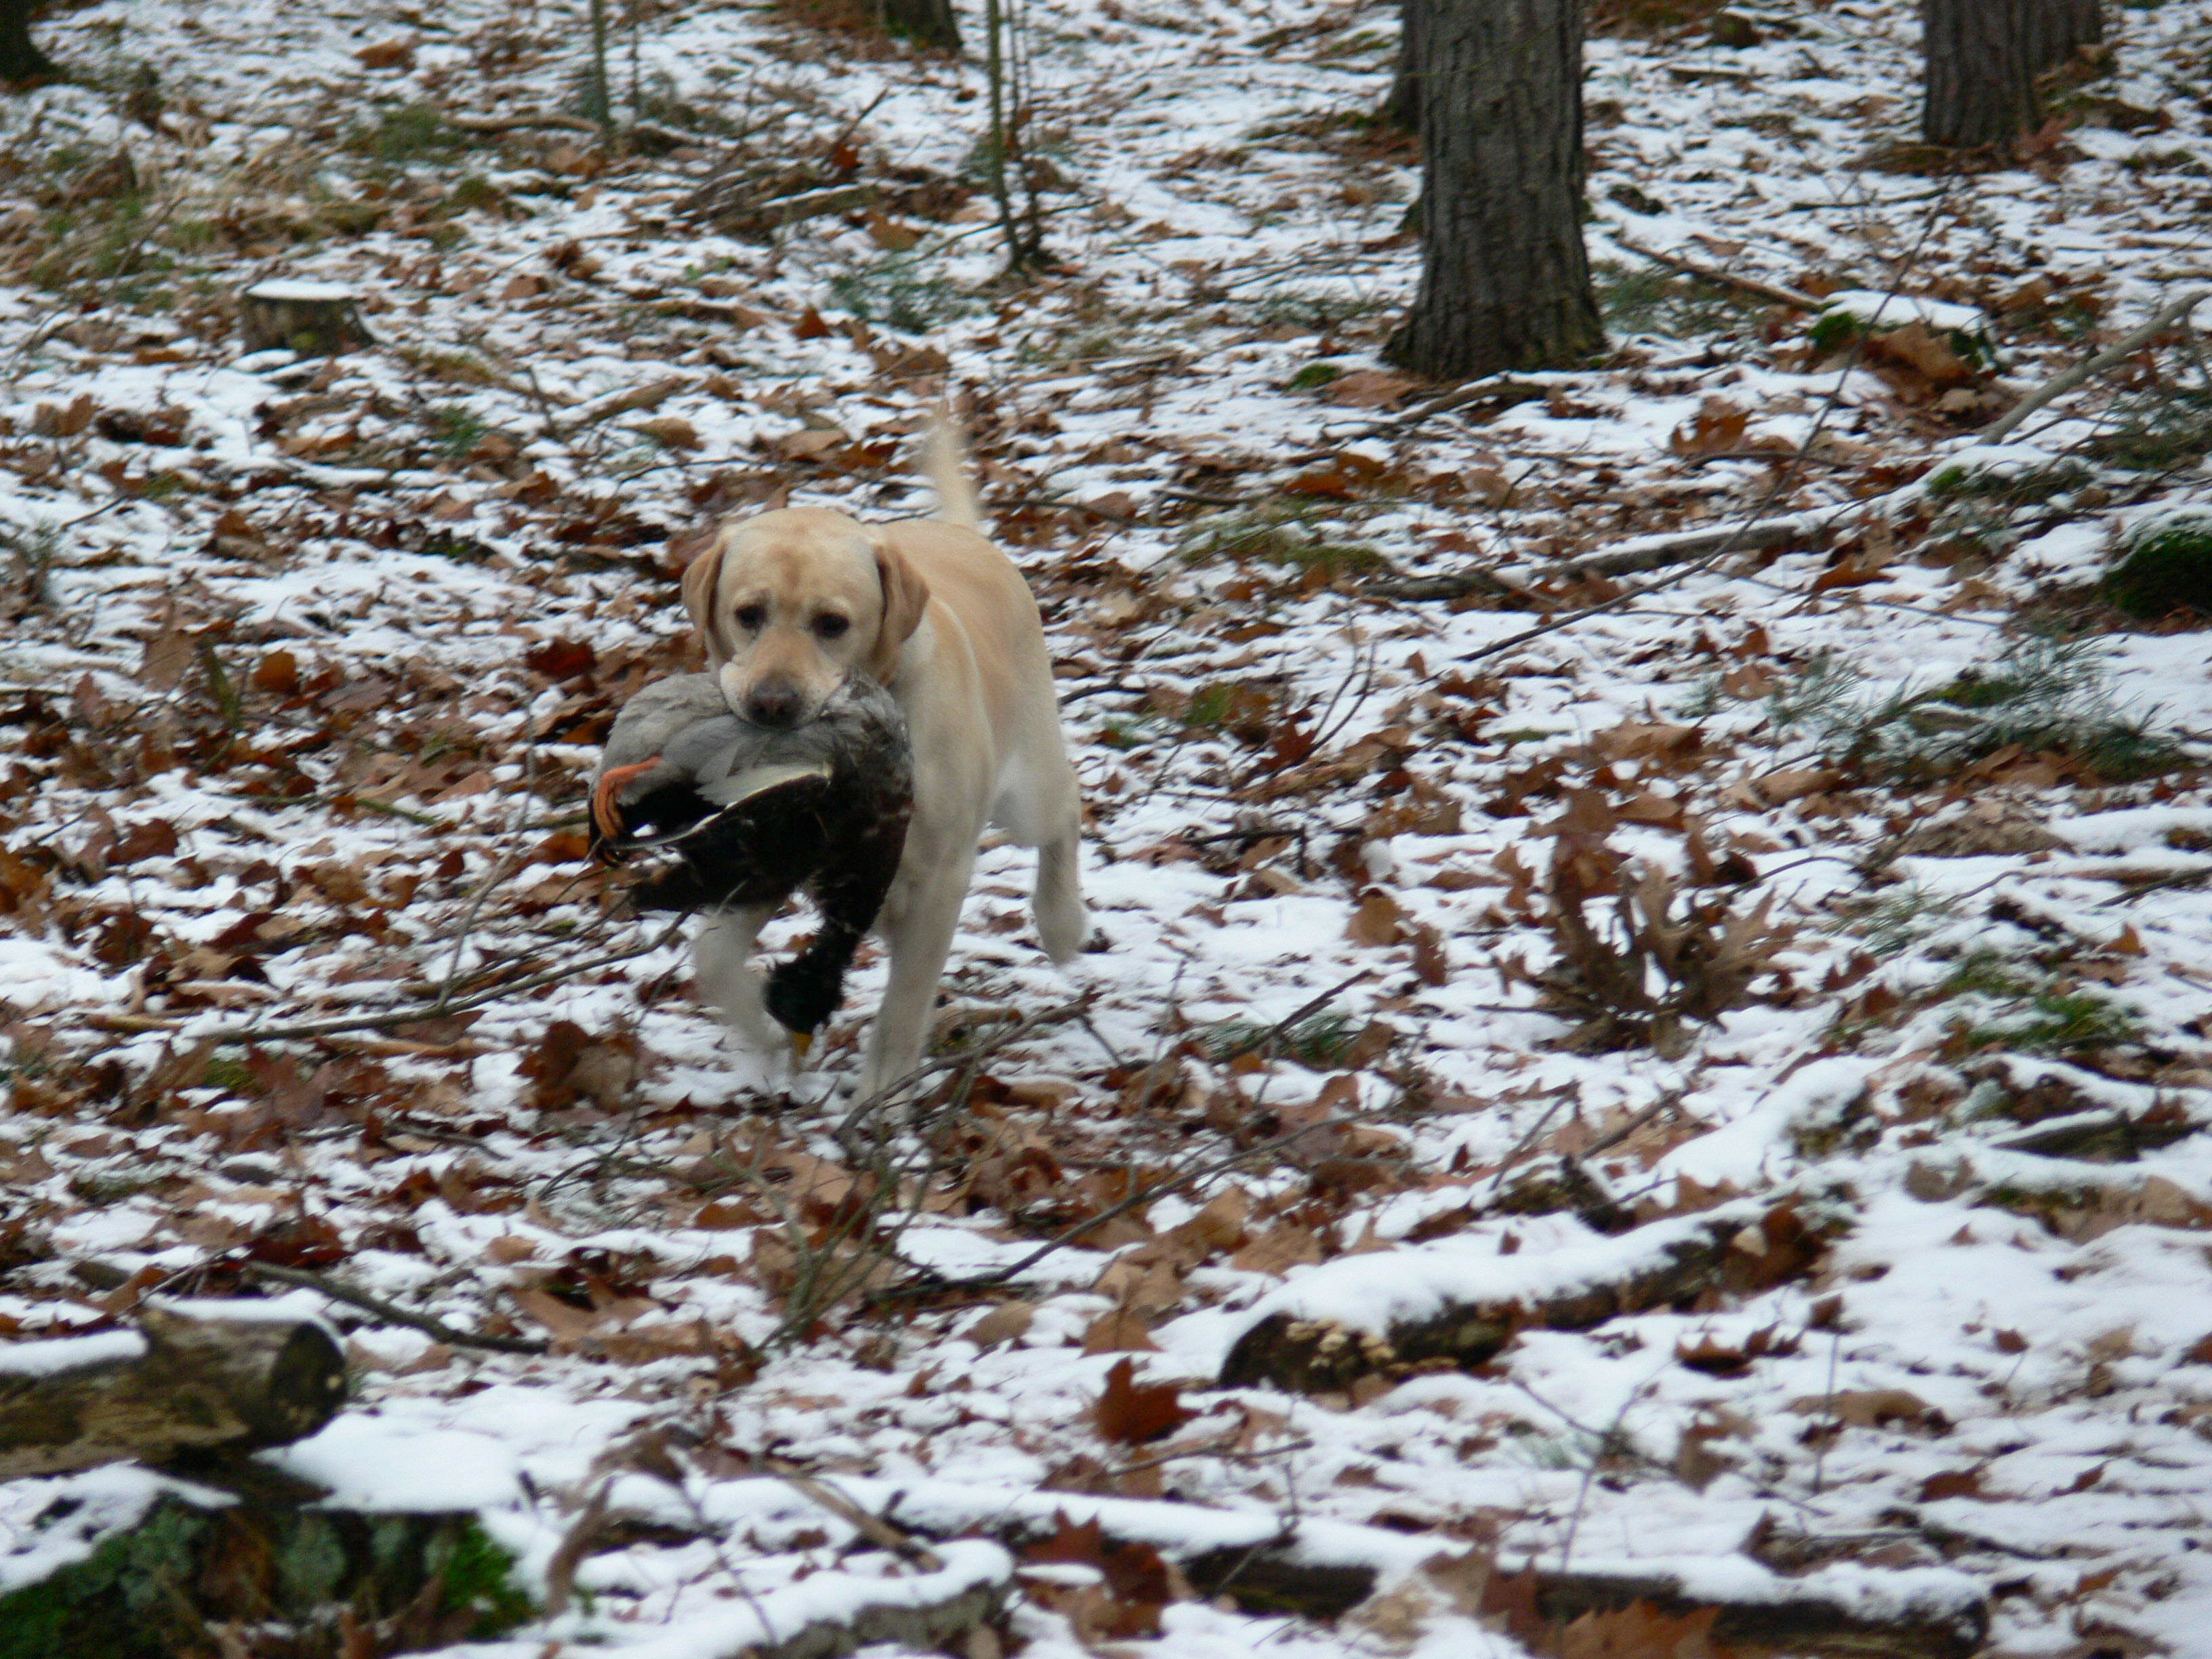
x=1396, y=1310
x=180, y=1382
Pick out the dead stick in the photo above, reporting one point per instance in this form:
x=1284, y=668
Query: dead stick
x=391, y=1313
x=873, y=1528
x=1703, y=272
x=2126, y=346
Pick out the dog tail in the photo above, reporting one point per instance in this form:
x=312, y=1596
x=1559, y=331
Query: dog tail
x=946, y=466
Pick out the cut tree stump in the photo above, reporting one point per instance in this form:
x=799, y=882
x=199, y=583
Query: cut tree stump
x=316, y=320
x=181, y=1383
x=252, y=1552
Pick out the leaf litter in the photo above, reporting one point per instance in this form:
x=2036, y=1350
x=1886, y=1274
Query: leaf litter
x=304, y=969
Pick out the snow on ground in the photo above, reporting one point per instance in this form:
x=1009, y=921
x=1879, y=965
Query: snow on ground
x=308, y=660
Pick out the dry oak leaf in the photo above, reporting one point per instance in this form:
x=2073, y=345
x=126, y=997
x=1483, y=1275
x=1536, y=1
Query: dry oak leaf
x=1378, y=921
x=1640, y=1631
x=387, y=54
x=1119, y=1331
x=1869, y=1409
x=672, y=430
x=1007, y=1322
x=811, y=441
x=1370, y=388
x=1138, y=1583
x=1717, y=426
x=1131, y=1412
x=1280, y=1248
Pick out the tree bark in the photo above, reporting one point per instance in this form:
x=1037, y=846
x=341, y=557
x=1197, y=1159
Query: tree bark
x=1402, y=108
x=925, y=23
x=2075, y=24
x=1504, y=276
x=22, y=62
x=184, y=1384
x=1983, y=57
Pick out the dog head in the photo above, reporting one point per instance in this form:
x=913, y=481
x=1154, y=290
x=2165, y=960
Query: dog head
x=790, y=602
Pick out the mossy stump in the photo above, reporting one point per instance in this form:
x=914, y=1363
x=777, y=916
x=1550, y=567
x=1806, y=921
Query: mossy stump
x=316, y=320
x=269, y=1573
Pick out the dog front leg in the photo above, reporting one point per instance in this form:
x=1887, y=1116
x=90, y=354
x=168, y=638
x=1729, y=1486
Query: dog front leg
x=920, y=938
x=720, y=960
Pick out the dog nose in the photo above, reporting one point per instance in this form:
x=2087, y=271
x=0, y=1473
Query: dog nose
x=773, y=704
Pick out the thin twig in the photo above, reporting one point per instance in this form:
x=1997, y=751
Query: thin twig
x=392, y=1313
x=1283, y=1027
x=229, y=1035
x=1142, y=1195
x=873, y=1528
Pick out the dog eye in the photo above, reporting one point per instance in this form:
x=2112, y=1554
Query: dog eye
x=829, y=627
x=749, y=618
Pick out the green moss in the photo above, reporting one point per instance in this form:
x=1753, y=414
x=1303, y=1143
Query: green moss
x=122, y=1600
x=1286, y=535
x=1988, y=974
x=2012, y=483
x=149, y=1591
x=2168, y=567
x=1314, y=376
x=477, y=1576
x=899, y=291
x=413, y=133
x=2158, y=429
x=1640, y=300
x=2060, y=1024
x=474, y=191
x=1318, y=1041
x=1834, y=329
x=2043, y=693
x=455, y=429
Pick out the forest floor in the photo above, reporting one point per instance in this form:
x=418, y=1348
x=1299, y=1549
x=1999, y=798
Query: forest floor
x=1710, y=1096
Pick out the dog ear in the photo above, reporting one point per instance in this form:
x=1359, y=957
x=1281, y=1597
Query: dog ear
x=701, y=578
x=905, y=595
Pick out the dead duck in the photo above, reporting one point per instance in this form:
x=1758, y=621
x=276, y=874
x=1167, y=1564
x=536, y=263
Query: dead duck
x=753, y=815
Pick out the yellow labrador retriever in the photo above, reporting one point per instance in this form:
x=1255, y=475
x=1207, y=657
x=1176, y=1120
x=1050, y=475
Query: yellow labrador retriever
x=790, y=602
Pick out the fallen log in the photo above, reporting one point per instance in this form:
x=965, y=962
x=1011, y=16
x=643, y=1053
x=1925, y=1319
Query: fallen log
x=1270, y=1564
x=181, y=1382
x=1432, y=1307
x=1816, y=1626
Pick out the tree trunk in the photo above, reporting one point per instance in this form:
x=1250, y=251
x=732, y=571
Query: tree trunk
x=179, y=1383
x=1983, y=57
x=22, y=63
x=1504, y=277
x=925, y=23
x=1402, y=108
x=2079, y=23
